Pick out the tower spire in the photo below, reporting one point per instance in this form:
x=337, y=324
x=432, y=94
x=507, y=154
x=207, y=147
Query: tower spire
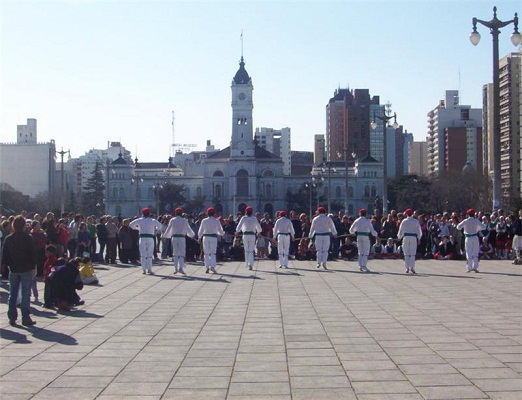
x=241, y=44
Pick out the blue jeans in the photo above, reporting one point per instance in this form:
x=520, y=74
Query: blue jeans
x=15, y=280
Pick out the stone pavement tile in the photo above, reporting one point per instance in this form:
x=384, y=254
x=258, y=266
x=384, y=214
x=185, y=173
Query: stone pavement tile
x=200, y=382
x=322, y=370
x=65, y=348
x=323, y=394
x=414, y=351
x=45, y=366
x=47, y=356
x=307, y=352
x=32, y=385
x=402, y=343
x=67, y=394
x=505, y=395
x=428, y=369
x=464, y=354
x=489, y=373
x=438, y=380
x=508, y=358
x=110, y=397
x=80, y=382
x=208, y=362
x=309, y=345
x=306, y=338
x=15, y=351
x=374, y=356
x=489, y=362
x=212, y=345
x=94, y=362
x=426, y=359
x=18, y=396
x=150, y=366
x=367, y=365
x=195, y=394
x=319, y=382
x=101, y=370
x=135, y=388
x=261, y=357
x=453, y=346
x=383, y=387
x=261, y=397
x=141, y=376
x=247, y=366
x=260, y=349
x=503, y=349
x=451, y=392
x=240, y=376
x=499, y=384
x=211, y=352
x=382, y=375
x=313, y=361
x=259, y=388
x=204, y=371
x=390, y=396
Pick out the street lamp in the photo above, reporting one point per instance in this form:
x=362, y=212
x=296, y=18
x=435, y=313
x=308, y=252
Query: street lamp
x=62, y=189
x=385, y=119
x=516, y=39
x=137, y=179
x=339, y=155
x=157, y=187
x=326, y=166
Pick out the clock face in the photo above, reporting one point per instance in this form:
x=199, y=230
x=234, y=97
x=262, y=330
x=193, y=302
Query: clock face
x=241, y=96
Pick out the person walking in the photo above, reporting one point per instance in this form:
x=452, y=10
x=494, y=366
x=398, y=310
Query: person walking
x=19, y=255
x=410, y=232
x=209, y=230
x=147, y=227
x=472, y=227
x=283, y=233
x=178, y=229
x=363, y=228
x=249, y=226
x=517, y=237
x=321, y=230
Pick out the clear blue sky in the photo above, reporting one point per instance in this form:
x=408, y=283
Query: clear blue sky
x=92, y=72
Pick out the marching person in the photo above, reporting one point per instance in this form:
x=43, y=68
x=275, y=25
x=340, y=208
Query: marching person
x=410, y=232
x=208, y=232
x=517, y=237
x=320, y=231
x=363, y=228
x=177, y=229
x=249, y=226
x=147, y=227
x=283, y=233
x=472, y=227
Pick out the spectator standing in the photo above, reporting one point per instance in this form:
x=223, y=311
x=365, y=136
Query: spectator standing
x=101, y=232
x=112, y=240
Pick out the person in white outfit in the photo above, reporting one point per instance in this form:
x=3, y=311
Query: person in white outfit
x=283, y=232
x=321, y=230
x=363, y=228
x=249, y=226
x=178, y=229
x=410, y=232
x=209, y=230
x=472, y=227
x=147, y=227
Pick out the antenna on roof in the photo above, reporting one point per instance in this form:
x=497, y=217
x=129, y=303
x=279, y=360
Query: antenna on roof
x=241, y=43
x=173, y=137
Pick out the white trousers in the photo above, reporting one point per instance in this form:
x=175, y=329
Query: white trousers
x=409, y=247
x=179, y=252
x=472, y=246
x=363, y=249
x=146, y=252
x=322, y=244
x=283, y=246
x=209, y=250
x=249, y=243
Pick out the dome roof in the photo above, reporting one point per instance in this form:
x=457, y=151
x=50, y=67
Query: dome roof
x=241, y=76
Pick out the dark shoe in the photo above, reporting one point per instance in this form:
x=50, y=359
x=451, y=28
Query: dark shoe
x=63, y=306
x=80, y=303
x=413, y=272
x=28, y=322
x=12, y=322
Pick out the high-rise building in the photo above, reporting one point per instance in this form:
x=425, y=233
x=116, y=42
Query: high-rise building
x=449, y=113
x=418, y=159
x=462, y=145
x=319, y=148
x=276, y=141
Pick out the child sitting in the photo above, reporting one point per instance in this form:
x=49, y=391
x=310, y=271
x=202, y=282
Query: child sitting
x=64, y=283
x=51, y=263
x=377, y=249
x=485, y=250
x=303, y=250
x=390, y=250
x=87, y=272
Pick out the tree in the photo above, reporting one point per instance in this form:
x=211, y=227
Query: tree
x=94, y=192
x=170, y=197
x=298, y=201
x=196, y=205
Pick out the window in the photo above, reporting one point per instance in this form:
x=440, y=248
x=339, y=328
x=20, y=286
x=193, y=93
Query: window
x=242, y=183
x=374, y=191
x=338, y=192
x=217, y=173
x=217, y=191
x=198, y=192
x=350, y=191
x=366, y=191
x=268, y=190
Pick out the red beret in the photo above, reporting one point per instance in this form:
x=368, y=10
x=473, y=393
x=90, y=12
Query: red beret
x=362, y=211
x=408, y=211
x=145, y=211
x=249, y=209
x=211, y=211
x=471, y=212
x=178, y=211
x=282, y=213
x=321, y=210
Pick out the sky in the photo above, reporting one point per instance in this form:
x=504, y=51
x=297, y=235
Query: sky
x=93, y=72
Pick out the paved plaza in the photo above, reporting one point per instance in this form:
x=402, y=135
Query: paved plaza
x=297, y=333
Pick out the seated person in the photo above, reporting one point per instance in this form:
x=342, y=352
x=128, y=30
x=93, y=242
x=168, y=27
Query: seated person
x=237, y=251
x=272, y=250
x=486, y=250
x=390, y=251
x=87, y=272
x=349, y=249
x=64, y=283
x=304, y=252
x=445, y=250
x=49, y=270
x=377, y=249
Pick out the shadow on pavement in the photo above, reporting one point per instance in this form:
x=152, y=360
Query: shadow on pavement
x=38, y=333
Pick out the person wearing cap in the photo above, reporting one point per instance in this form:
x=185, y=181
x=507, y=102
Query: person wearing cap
x=363, y=228
x=321, y=230
x=283, y=232
x=472, y=227
x=209, y=230
x=147, y=227
x=410, y=232
x=249, y=226
x=177, y=230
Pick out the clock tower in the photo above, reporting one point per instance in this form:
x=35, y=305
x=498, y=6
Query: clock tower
x=242, y=143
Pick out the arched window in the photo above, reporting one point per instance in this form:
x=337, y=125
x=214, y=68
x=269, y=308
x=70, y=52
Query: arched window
x=374, y=191
x=366, y=191
x=217, y=191
x=268, y=190
x=267, y=173
x=242, y=183
x=269, y=208
x=114, y=192
x=217, y=173
x=350, y=191
x=337, y=192
x=150, y=193
x=198, y=192
x=122, y=193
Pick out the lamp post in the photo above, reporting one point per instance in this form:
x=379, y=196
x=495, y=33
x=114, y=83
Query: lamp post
x=62, y=189
x=328, y=167
x=340, y=154
x=311, y=185
x=385, y=119
x=516, y=39
x=157, y=187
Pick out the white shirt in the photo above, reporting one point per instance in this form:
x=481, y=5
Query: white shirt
x=146, y=225
x=248, y=224
x=362, y=224
x=471, y=226
x=210, y=226
x=322, y=224
x=178, y=226
x=410, y=225
x=283, y=225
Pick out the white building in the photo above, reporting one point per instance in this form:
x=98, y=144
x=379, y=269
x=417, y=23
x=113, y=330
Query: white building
x=28, y=166
x=276, y=141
